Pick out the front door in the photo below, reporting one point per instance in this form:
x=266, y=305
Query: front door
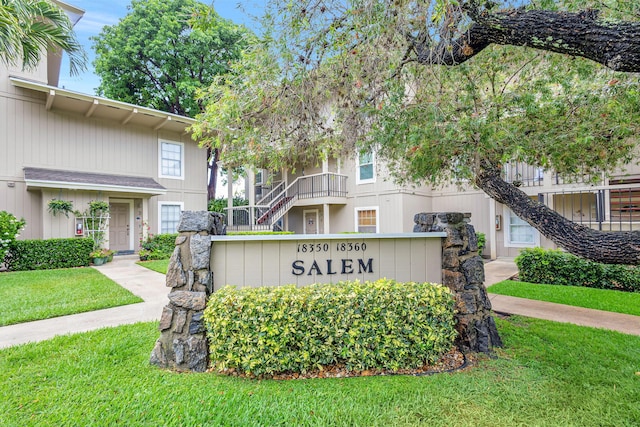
x=119, y=227
x=310, y=222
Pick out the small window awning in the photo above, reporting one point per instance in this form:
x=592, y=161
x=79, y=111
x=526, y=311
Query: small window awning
x=52, y=178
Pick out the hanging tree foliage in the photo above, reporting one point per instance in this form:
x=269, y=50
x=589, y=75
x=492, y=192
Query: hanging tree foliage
x=444, y=90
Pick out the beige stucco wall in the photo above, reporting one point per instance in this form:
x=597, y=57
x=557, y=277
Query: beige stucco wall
x=396, y=204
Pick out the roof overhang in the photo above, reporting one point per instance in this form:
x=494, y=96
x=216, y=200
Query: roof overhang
x=37, y=178
x=91, y=106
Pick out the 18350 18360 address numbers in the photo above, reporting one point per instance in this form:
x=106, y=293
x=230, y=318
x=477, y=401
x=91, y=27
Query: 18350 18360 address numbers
x=324, y=247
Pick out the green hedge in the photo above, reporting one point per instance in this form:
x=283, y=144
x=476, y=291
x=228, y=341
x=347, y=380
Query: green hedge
x=374, y=325
x=159, y=246
x=258, y=233
x=48, y=254
x=555, y=267
x=482, y=241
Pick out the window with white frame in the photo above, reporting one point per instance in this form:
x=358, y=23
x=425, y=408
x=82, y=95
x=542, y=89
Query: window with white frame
x=171, y=160
x=367, y=220
x=169, y=214
x=259, y=179
x=518, y=233
x=365, y=170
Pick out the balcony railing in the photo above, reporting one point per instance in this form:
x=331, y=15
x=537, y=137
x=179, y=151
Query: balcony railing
x=268, y=214
x=606, y=209
x=522, y=175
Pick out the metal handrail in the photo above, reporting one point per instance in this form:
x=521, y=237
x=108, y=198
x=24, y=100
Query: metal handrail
x=318, y=185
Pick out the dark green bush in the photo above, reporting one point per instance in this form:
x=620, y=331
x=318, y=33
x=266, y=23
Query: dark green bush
x=372, y=325
x=158, y=246
x=482, y=241
x=48, y=254
x=258, y=233
x=221, y=203
x=555, y=267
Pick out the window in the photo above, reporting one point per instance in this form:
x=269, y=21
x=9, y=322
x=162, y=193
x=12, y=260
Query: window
x=169, y=216
x=171, y=160
x=259, y=177
x=519, y=233
x=365, y=169
x=367, y=220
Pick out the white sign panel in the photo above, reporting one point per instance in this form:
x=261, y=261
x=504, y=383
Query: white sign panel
x=301, y=260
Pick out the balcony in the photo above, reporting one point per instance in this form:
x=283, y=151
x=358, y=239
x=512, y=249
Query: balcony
x=267, y=213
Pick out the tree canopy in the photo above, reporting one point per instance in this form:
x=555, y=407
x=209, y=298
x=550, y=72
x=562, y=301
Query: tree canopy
x=29, y=28
x=156, y=58
x=444, y=90
x=153, y=57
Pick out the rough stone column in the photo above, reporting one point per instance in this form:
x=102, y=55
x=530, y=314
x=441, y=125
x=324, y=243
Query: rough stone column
x=463, y=273
x=182, y=345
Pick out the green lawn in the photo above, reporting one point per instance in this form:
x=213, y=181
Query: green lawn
x=549, y=374
x=41, y=294
x=600, y=299
x=160, y=266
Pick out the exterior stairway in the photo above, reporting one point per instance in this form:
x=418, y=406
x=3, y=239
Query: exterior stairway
x=275, y=204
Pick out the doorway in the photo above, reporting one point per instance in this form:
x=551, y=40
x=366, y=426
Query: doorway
x=120, y=226
x=310, y=219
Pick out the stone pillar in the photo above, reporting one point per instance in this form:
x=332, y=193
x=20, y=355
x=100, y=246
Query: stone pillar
x=463, y=273
x=182, y=345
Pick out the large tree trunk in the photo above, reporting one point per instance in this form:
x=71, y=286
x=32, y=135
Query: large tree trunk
x=613, y=44
x=620, y=247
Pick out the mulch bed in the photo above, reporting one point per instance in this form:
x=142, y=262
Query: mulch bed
x=451, y=361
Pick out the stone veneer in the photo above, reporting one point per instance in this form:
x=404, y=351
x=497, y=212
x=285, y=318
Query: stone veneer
x=182, y=345
x=463, y=273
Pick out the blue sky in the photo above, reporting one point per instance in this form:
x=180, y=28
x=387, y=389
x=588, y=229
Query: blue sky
x=99, y=13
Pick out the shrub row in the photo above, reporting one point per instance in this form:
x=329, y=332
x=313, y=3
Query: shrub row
x=374, y=325
x=482, y=241
x=48, y=254
x=537, y=265
x=258, y=233
x=159, y=246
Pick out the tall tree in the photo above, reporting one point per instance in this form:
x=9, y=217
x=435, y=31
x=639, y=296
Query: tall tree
x=445, y=90
x=29, y=28
x=153, y=57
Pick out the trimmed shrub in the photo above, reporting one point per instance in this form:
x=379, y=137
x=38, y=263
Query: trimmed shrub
x=48, y=254
x=258, y=233
x=372, y=325
x=220, y=204
x=10, y=228
x=555, y=267
x=158, y=246
x=482, y=241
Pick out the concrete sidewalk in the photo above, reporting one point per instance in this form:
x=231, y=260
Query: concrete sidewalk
x=502, y=269
x=147, y=284
x=151, y=287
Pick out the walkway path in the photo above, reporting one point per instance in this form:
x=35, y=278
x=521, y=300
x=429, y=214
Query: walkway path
x=150, y=286
x=501, y=269
x=147, y=284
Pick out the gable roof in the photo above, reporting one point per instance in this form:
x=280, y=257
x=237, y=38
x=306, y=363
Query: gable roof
x=103, y=108
x=53, y=178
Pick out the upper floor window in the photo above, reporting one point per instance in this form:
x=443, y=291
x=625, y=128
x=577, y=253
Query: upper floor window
x=260, y=177
x=171, y=160
x=365, y=169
